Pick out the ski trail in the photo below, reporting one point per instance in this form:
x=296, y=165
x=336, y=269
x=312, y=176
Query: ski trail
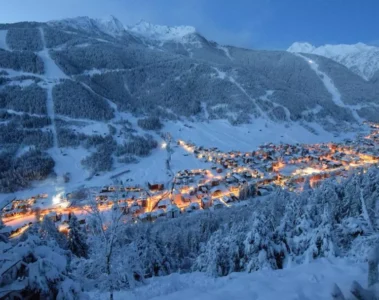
x=329, y=85
x=53, y=75
x=262, y=113
x=226, y=51
x=3, y=40
x=52, y=71
x=205, y=109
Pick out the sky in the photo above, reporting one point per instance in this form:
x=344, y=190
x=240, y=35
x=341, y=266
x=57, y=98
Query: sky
x=258, y=24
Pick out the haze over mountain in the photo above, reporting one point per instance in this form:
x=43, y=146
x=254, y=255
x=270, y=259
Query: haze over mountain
x=60, y=78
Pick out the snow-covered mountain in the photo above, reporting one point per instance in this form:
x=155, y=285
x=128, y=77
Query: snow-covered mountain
x=108, y=25
x=77, y=91
x=362, y=59
x=161, y=32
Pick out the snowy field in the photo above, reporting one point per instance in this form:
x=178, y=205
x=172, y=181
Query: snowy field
x=312, y=281
x=247, y=137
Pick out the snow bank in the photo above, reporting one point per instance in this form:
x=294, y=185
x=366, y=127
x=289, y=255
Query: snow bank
x=310, y=281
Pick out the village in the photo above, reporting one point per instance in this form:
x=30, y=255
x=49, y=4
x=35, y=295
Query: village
x=232, y=177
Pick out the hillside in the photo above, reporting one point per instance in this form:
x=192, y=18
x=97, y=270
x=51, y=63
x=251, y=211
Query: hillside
x=73, y=91
x=360, y=58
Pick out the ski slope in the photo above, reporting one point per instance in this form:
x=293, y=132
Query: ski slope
x=312, y=281
x=52, y=71
x=332, y=89
x=3, y=41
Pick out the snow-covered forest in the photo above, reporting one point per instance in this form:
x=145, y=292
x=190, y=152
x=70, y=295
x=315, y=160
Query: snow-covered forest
x=337, y=219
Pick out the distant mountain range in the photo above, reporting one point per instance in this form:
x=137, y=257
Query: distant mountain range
x=58, y=77
x=360, y=58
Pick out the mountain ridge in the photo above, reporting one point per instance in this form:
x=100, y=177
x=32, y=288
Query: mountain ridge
x=362, y=59
x=92, y=92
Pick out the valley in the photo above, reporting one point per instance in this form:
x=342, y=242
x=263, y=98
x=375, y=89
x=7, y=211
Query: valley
x=225, y=179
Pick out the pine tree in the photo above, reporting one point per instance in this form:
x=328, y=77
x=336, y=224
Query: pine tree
x=3, y=237
x=48, y=231
x=76, y=238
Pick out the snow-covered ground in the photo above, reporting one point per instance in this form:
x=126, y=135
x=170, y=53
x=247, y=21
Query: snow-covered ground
x=312, y=281
x=247, y=137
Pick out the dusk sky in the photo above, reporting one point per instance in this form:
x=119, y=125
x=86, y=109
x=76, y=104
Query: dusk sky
x=263, y=24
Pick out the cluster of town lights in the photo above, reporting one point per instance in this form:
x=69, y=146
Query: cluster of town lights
x=232, y=176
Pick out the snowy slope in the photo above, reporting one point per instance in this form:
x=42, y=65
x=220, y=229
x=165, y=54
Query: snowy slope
x=332, y=89
x=306, y=282
x=360, y=58
x=3, y=42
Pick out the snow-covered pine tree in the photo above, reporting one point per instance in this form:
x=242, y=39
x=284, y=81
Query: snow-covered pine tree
x=3, y=236
x=48, y=231
x=322, y=242
x=39, y=269
x=77, y=238
x=260, y=251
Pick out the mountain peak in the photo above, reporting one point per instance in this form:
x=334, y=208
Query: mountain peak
x=301, y=47
x=161, y=32
x=109, y=24
x=362, y=59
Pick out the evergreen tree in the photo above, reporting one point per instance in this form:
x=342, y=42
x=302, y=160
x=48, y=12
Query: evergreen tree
x=48, y=231
x=3, y=237
x=76, y=238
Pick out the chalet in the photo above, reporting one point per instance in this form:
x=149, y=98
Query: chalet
x=172, y=211
x=145, y=217
x=217, y=204
x=233, y=197
x=158, y=214
x=186, y=197
x=206, y=202
x=105, y=189
x=234, y=188
x=216, y=192
x=177, y=196
x=164, y=203
x=194, y=206
x=215, y=182
x=135, y=208
x=199, y=195
x=227, y=199
x=263, y=191
x=155, y=186
x=142, y=201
